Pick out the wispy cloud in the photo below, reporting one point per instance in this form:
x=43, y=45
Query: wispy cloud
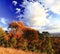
x=3, y=20
x=17, y=10
x=4, y=23
x=53, y=5
x=15, y=3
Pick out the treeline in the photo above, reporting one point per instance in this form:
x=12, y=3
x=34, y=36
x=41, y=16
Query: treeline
x=19, y=36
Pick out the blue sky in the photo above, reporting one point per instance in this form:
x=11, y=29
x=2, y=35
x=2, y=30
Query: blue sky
x=43, y=15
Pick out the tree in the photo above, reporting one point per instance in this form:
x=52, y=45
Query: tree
x=16, y=29
x=30, y=34
x=2, y=41
x=45, y=33
x=1, y=32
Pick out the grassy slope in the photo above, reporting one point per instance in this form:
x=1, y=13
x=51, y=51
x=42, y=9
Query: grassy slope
x=14, y=51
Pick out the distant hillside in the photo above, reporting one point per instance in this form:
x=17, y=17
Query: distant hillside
x=55, y=34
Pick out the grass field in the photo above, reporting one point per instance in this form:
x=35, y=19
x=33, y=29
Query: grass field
x=15, y=51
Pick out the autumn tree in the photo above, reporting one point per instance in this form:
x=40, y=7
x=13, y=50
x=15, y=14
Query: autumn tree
x=30, y=34
x=2, y=40
x=1, y=32
x=16, y=29
x=32, y=37
x=15, y=34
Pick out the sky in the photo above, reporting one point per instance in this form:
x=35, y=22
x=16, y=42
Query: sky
x=42, y=15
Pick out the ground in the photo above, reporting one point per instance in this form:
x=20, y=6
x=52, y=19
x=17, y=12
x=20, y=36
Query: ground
x=15, y=51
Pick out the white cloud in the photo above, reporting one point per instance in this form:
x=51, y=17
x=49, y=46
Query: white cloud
x=56, y=8
x=20, y=16
x=18, y=10
x=48, y=1
x=14, y=2
x=53, y=5
x=3, y=20
x=35, y=14
x=25, y=2
x=53, y=27
x=5, y=28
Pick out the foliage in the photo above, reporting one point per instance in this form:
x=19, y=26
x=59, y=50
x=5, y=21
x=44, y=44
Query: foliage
x=22, y=37
x=2, y=41
x=1, y=32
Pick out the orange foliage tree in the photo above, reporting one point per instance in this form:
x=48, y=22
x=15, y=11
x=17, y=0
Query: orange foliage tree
x=16, y=29
x=30, y=34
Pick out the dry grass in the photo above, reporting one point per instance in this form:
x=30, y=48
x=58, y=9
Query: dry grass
x=13, y=51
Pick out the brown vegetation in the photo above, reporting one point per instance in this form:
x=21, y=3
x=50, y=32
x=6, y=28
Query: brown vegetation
x=13, y=51
x=21, y=37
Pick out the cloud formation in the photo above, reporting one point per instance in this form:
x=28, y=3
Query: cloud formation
x=35, y=14
x=18, y=10
x=3, y=20
x=3, y=23
x=15, y=3
x=53, y=5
